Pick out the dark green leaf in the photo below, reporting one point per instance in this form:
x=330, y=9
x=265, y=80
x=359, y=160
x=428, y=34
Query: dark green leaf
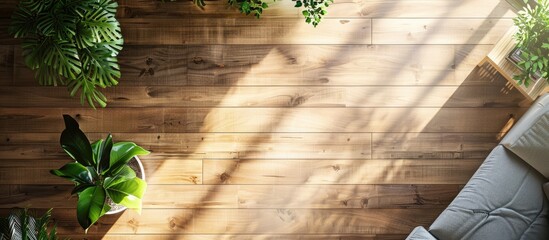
x=91, y=206
x=105, y=154
x=75, y=143
x=75, y=172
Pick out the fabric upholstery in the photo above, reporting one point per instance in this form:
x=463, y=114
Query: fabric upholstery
x=546, y=189
x=420, y=233
x=529, y=138
x=503, y=200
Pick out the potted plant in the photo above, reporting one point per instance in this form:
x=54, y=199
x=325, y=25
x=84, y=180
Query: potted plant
x=532, y=36
x=108, y=176
x=23, y=226
x=71, y=42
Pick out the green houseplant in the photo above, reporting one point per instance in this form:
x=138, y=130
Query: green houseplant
x=100, y=172
x=533, y=42
x=313, y=10
x=23, y=226
x=71, y=42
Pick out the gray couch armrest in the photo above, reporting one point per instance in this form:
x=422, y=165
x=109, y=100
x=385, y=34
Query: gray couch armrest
x=529, y=138
x=420, y=233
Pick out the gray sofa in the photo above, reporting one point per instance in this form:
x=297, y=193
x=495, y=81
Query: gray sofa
x=505, y=198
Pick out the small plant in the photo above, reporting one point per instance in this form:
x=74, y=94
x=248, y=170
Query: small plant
x=313, y=12
x=533, y=41
x=100, y=172
x=71, y=42
x=21, y=225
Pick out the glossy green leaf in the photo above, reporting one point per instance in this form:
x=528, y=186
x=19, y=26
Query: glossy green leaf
x=75, y=172
x=122, y=153
x=128, y=193
x=91, y=206
x=75, y=143
x=104, y=154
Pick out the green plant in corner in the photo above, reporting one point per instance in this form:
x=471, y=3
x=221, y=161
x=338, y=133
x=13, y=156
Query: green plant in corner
x=533, y=41
x=23, y=226
x=71, y=42
x=100, y=172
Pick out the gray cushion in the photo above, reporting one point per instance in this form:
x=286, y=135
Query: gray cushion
x=546, y=189
x=529, y=138
x=420, y=233
x=503, y=200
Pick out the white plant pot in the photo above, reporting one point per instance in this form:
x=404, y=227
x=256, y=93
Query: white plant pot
x=137, y=166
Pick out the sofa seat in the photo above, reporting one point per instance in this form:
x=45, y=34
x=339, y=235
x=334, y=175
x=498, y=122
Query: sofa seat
x=503, y=200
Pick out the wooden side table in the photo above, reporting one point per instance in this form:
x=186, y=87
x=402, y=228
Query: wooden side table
x=497, y=58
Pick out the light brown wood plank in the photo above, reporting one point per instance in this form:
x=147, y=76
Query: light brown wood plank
x=203, y=145
x=438, y=31
x=239, y=236
x=244, y=31
x=420, y=9
x=260, y=119
x=402, y=171
x=285, y=9
x=252, y=221
x=250, y=196
x=253, y=97
x=270, y=65
x=432, y=145
x=166, y=171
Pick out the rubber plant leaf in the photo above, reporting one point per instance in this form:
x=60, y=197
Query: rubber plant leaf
x=75, y=172
x=128, y=193
x=91, y=206
x=75, y=143
x=122, y=153
x=104, y=154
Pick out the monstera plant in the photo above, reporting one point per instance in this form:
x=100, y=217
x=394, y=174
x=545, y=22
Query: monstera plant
x=71, y=42
x=21, y=225
x=100, y=173
x=533, y=42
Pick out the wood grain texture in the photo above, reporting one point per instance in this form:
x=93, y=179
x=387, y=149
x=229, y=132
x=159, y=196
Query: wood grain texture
x=286, y=65
x=402, y=171
x=362, y=128
x=250, y=196
x=438, y=31
x=183, y=120
x=272, y=97
x=265, y=221
x=240, y=236
x=45, y=146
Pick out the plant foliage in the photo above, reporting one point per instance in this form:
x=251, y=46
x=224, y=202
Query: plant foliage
x=21, y=225
x=71, y=42
x=313, y=10
x=533, y=41
x=100, y=171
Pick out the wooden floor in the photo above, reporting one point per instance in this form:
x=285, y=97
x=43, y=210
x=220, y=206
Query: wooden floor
x=362, y=128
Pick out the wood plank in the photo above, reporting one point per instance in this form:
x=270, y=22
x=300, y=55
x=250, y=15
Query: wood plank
x=285, y=9
x=253, y=97
x=244, y=31
x=203, y=145
x=432, y=145
x=250, y=196
x=420, y=9
x=237, y=236
x=264, y=119
x=438, y=31
x=265, y=221
x=287, y=171
x=167, y=171
x=285, y=65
